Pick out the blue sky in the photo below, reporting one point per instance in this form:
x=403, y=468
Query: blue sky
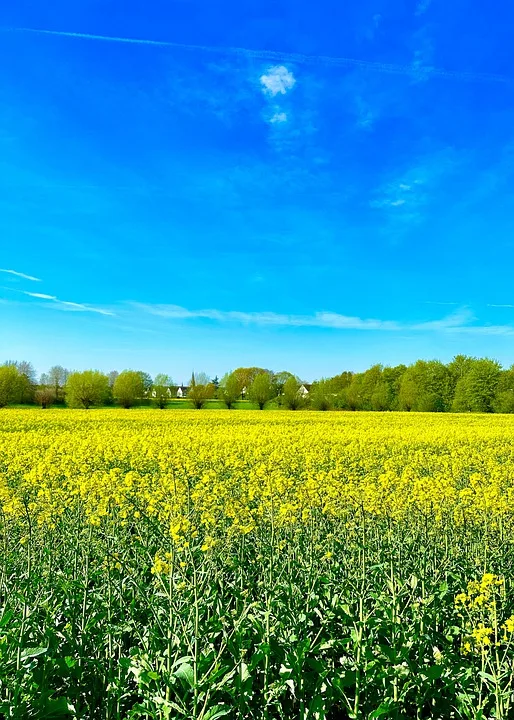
x=311, y=187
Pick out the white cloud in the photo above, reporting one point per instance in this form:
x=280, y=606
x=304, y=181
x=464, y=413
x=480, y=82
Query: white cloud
x=21, y=275
x=458, y=321
x=278, y=117
x=277, y=80
x=42, y=296
x=67, y=305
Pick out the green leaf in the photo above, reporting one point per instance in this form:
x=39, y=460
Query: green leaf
x=346, y=679
x=32, y=652
x=216, y=712
x=317, y=707
x=58, y=707
x=433, y=672
x=185, y=672
x=383, y=709
x=6, y=617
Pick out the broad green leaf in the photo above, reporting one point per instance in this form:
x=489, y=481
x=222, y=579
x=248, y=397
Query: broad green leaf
x=216, y=712
x=185, y=672
x=32, y=652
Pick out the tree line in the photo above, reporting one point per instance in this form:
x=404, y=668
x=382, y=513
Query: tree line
x=466, y=384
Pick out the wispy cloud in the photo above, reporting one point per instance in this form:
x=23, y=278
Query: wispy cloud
x=499, y=306
x=320, y=319
x=278, y=117
x=404, y=197
x=280, y=57
x=423, y=6
x=20, y=275
x=461, y=320
x=440, y=302
x=67, y=305
x=456, y=320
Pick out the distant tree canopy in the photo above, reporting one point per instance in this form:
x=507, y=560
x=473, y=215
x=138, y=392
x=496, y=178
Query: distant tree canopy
x=321, y=395
x=245, y=376
x=291, y=397
x=465, y=384
x=229, y=389
x=161, y=389
x=262, y=389
x=86, y=389
x=199, y=393
x=128, y=387
x=56, y=377
x=147, y=381
x=10, y=384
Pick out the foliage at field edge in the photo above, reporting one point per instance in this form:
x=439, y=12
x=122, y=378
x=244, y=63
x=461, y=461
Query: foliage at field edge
x=255, y=566
x=466, y=384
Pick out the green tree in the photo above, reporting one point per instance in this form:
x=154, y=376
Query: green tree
x=322, y=395
x=262, y=389
x=392, y=377
x=504, y=398
x=86, y=389
x=291, y=397
x=10, y=382
x=340, y=382
x=280, y=379
x=352, y=396
x=161, y=390
x=44, y=396
x=477, y=388
x=199, y=393
x=147, y=381
x=27, y=381
x=128, y=387
x=229, y=389
x=245, y=377
x=56, y=377
x=425, y=387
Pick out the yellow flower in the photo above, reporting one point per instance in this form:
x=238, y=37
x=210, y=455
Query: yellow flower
x=509, y=624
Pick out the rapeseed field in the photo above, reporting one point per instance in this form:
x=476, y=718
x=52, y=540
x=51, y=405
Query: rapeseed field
x=256, y=565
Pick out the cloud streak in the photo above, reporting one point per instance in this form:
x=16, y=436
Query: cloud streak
x=281, y=57
x=67, y=305
x=20, y=275
x=459, y=321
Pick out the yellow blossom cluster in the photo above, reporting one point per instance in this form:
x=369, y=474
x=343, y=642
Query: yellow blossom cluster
x=480, y=609
x=205, y=475
x=480, y=593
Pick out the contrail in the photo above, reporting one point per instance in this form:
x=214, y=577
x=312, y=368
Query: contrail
x=277, y=56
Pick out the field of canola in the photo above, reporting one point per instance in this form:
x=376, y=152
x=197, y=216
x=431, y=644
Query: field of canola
x=256, y=565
